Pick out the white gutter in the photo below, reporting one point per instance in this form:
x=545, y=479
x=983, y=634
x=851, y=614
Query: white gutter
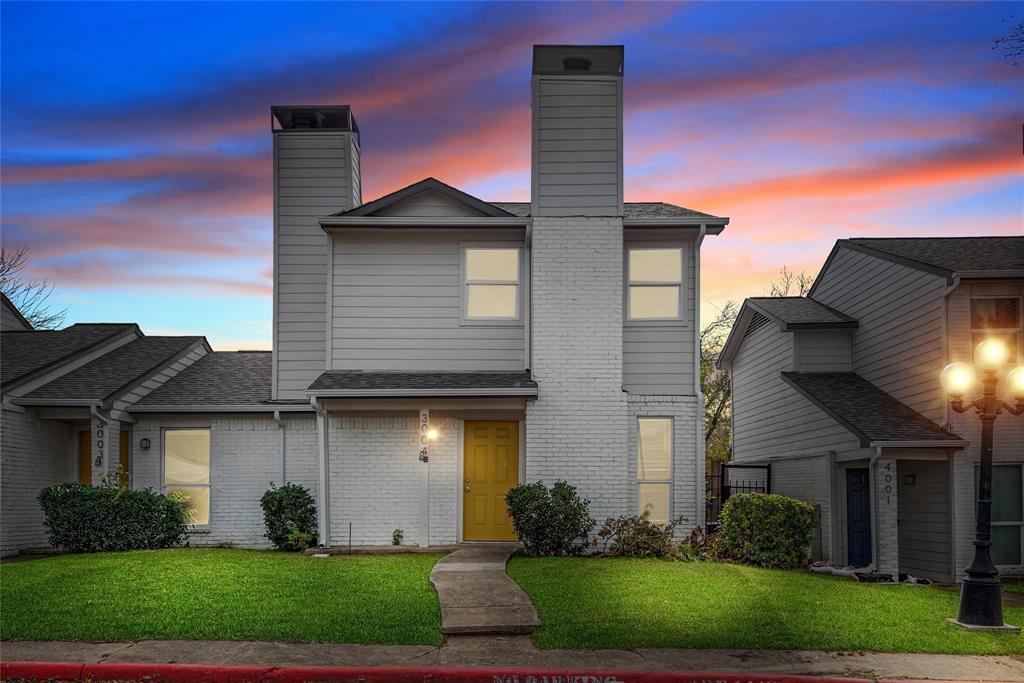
x=420, y=393
x=204, y=408
x=704, y=223
x=951, y=443
x=91, y=402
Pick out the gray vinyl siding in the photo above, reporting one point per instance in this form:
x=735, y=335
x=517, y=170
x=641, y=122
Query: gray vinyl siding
x=430, y=204
x=770, y=419
x=925, y=528
x=315, y=175
x=898, y=345
x=577, y=150
x=396, y=307
x=9, y=320
x=822, y=350
x=658, y=356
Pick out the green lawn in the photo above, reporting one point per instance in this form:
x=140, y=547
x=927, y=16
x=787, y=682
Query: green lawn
x=619, y=603
x=1013, y=585
x=219, y=594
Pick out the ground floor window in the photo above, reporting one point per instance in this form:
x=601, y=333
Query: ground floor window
x=654, y=467
x=1007, y=513
x=187, y=469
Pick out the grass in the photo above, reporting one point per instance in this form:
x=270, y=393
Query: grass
x=1013, y=585
x=625, y=603
x=219, y=594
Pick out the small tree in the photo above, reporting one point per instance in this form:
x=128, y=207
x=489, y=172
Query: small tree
x=31, y=297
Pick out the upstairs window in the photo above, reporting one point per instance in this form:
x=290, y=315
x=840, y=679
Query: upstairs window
x=655, y=278
x=187, y=470
x=996, y=317
x=491, y=283
x=1007, y=513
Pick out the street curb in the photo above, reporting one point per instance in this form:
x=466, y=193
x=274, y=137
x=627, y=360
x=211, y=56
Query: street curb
x=201, y=673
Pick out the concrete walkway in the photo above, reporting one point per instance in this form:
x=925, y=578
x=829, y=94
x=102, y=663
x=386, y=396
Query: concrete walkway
x=477, y=597
x=519, y=652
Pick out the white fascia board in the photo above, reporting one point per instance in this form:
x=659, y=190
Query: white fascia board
x=713, y=226
x=57, y=401
x=952, y=443
x=329, y=222
x=259, y=408
x=419, y=393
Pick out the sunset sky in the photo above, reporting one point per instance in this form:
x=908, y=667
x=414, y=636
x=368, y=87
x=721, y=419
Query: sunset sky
x=136, y=141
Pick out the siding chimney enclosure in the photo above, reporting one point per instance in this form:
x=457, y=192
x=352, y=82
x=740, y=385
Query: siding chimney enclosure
x=316, y=173
x=577, y=130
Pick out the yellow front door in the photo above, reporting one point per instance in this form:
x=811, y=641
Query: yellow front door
x=490, y=469
x=85, y=458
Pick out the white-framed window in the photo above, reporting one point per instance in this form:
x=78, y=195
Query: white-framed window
x=996, y=316
x=1007, y=513
x=186, y=468
x=654, y=467
x=655, y=283
x=490, y=286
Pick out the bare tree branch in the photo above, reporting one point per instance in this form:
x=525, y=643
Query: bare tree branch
x=1011, y=45
x=31, y=297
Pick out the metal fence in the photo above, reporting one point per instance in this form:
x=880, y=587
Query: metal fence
x=729, y=478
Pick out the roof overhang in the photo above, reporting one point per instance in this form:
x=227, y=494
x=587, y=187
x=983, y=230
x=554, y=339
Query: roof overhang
x=332, y=224
x=57, y=402
x=422, y=393
x=711, y=225
x=951, y=443
x=990, y=274
x=241, y=408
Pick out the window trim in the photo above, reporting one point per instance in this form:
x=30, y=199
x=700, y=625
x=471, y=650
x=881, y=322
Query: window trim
x=1017, y=331
x=1019, y=524
x=680, y=285
x=163, y=468
x=464, y=282
x=671, y=462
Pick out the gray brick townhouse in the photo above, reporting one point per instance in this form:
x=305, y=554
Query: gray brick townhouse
x=839, y=392
x=430, y=349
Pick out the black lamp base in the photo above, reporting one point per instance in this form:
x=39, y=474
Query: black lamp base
x=981, y=605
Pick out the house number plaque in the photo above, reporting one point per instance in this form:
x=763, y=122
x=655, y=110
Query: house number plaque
x=424, y=438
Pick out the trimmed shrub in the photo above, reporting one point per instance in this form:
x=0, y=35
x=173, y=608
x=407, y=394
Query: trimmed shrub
x=88, y=519
x=766, y=530
x=553, y=521
x=638, y=536
x=289, y=514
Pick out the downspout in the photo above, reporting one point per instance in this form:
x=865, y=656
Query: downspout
x=700, y=474
x=528, y=295
x=323, y=494
x=280, y=428
x=947, y=419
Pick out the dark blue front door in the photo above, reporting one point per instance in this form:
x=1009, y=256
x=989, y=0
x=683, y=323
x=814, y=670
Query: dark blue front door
x=858, y=517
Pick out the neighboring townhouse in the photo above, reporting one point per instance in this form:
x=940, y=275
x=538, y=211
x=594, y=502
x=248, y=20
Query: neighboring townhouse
x=838, y=391
x=431, y=349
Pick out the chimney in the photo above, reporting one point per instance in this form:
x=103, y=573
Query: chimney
x=577, y=130
x=316, y=173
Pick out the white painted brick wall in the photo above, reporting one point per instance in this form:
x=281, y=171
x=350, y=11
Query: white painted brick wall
x=887, y=558
x=577, y=429
x=375, y=479
x=245, y=457
x=36, y=454
x=687, y=482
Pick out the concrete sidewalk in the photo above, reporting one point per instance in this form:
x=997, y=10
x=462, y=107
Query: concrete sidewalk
x=520, y=652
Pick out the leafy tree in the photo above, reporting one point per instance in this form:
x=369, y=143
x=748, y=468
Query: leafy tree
x=31, y=297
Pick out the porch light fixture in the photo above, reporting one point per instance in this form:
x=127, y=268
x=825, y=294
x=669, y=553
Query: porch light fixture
x=144, y=443
x=432, y=434
x=981, y=605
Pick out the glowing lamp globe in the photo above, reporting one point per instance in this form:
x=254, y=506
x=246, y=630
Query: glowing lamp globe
x=432, y=434
x=991, y=354
x=958, y=378
x=1015, y=382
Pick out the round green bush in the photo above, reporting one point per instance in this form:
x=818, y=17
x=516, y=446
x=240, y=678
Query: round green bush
x=553, y=521
x=766, y=530
x=86, y=519
x=289, y=514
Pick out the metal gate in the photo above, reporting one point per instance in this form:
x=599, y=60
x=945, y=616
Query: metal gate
x=733, y=478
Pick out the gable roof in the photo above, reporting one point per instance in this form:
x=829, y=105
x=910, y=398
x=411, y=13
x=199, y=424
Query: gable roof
x=790, y=313
x=114, y=372
x=872, y=415
x=218, y=379
x=426, y=185
x=943, y=256
x=30, y=353
x=11, y=309
x=371, y=383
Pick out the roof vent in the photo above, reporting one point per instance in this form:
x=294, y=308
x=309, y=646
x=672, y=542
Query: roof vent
x=576, y=64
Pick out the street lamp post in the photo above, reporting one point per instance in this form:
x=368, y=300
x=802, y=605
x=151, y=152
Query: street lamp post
x=980, y=601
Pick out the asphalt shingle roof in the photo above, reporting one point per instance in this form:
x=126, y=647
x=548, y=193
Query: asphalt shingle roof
x=219, y=378
x=422, y=381
x=801, y=311
x=629, y=210
x=864, y=409
x=953, y=254
x=115, y=370
x=22, y=353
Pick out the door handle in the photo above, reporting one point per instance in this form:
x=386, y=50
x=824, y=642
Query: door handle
x=466, y=489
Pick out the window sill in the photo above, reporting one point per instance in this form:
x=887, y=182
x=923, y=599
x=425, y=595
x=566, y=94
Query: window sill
x=205, y=529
